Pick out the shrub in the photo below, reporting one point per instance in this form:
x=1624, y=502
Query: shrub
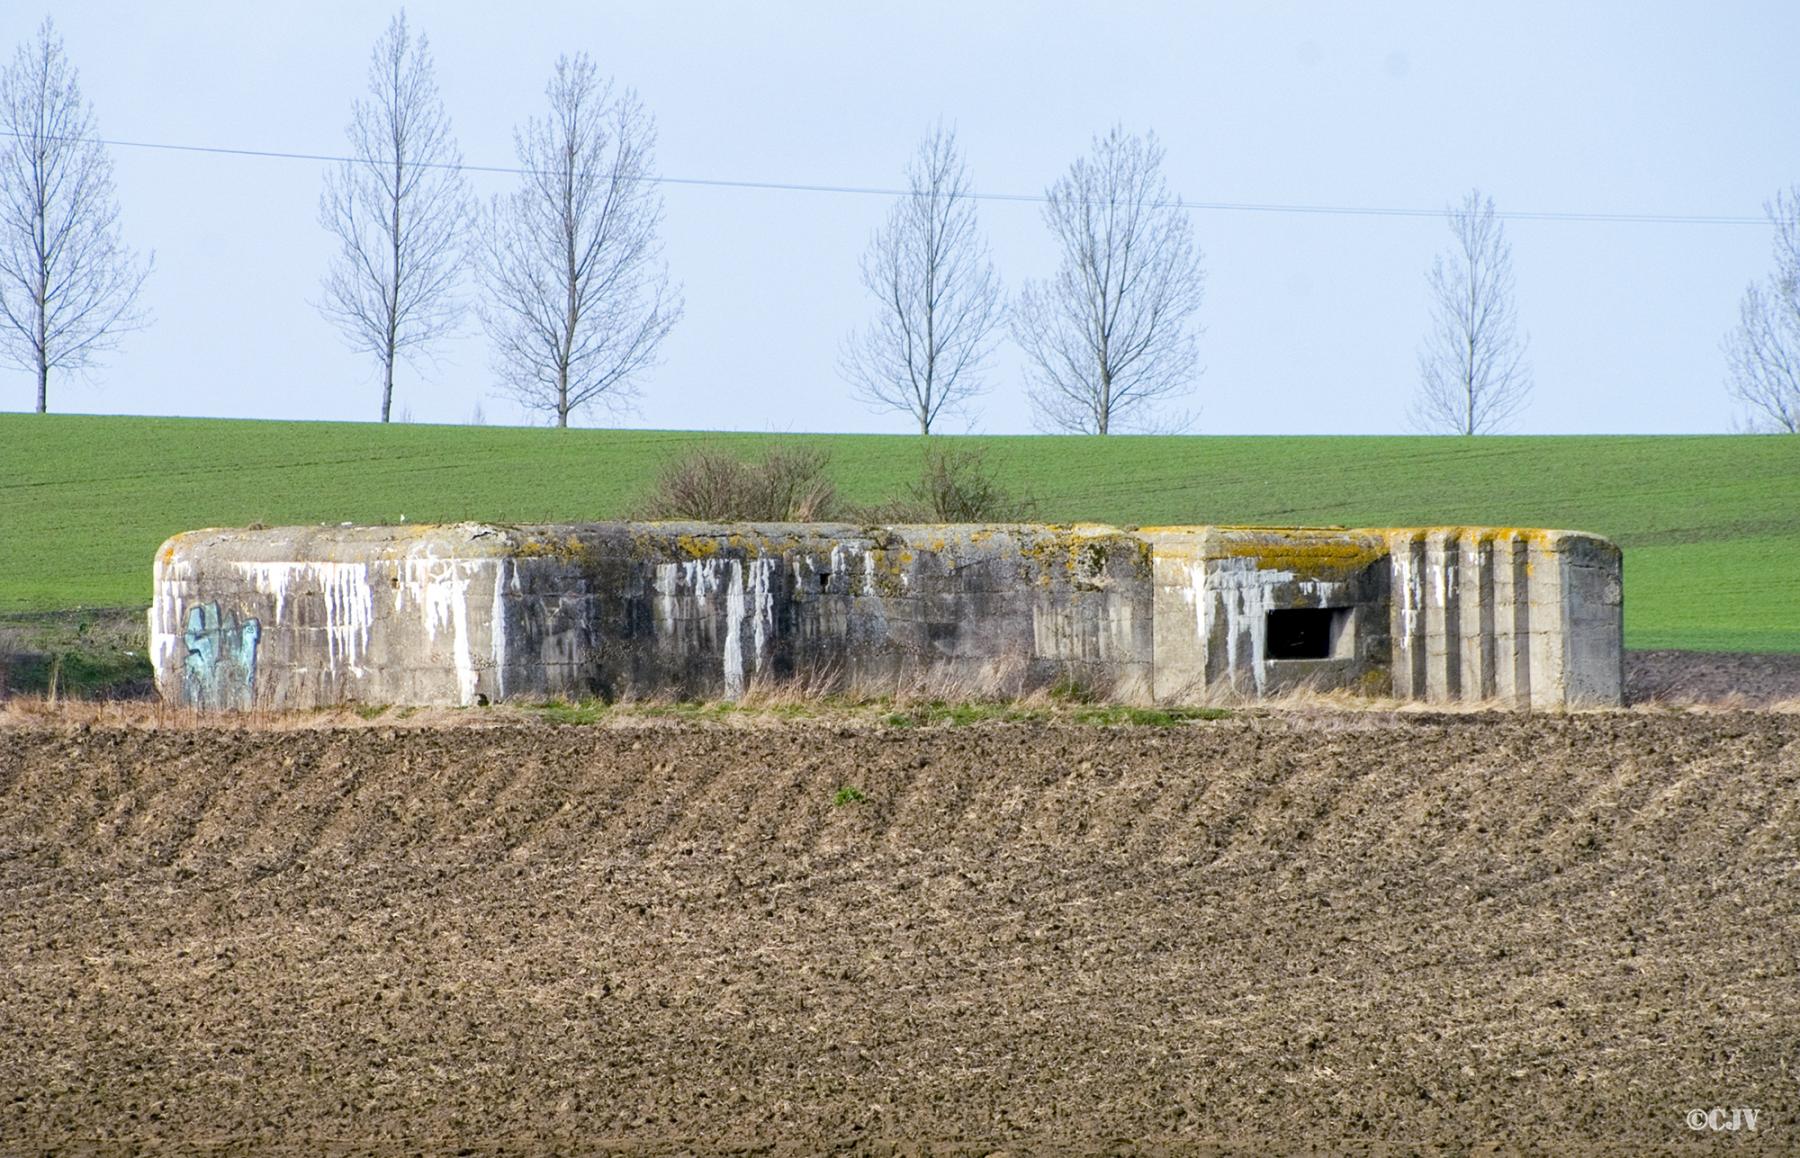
x=787, y=485
x=791, y=484
x=955, y=485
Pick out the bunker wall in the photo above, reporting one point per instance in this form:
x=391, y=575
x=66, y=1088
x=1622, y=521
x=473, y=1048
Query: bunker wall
x=469, y=614
x=472, y=613
x=1527, y=618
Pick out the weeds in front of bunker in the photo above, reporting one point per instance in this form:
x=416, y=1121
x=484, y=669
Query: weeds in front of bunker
x=772, y=705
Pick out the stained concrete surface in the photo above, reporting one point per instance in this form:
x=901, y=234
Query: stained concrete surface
x=301, y=617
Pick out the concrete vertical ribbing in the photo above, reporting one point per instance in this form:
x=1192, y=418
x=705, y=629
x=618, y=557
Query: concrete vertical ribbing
x=1443, y=608
x=1544, y=596
x=1512, y=620
x=1477, y=645
x=1406, y=553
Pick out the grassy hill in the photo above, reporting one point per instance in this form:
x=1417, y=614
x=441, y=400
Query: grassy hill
x=1710, y=524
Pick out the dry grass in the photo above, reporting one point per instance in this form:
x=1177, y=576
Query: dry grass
x=51, y=711
x=998, y=692
x=922, y=699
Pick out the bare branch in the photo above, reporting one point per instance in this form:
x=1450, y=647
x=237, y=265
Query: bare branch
x=1473, y=376
x=1110, y=336
x=938, y=295
x=69, y=285
x=577, y=298
x=400, y=210
x=1763, y=353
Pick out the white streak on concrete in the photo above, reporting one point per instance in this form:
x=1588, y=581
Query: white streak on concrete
x=703, y=578
x=440, y=588
x=169, y=580
x=459, y=647
x=1196, y=598
x=1243, y=593
x=806, y=574
x=868, y=572
x=762, y=607
x=668, y=589
x=497, y=629
x=349, y=601
x=1408, y=589
x=734, y=619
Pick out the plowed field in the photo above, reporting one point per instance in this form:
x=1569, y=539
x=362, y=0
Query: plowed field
x=1352, y=932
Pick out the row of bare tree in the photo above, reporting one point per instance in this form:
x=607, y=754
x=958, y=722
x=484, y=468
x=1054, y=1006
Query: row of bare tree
x=1107, y=337
x=1111, y=335
x=1473, y=376
x=576, y=298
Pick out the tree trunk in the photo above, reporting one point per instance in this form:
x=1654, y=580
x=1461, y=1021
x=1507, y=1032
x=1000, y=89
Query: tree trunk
x=42, y=303
x=1103, y=412
x=391, y=300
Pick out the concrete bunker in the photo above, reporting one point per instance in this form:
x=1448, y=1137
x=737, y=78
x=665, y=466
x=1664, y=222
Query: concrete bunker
x=473, y=613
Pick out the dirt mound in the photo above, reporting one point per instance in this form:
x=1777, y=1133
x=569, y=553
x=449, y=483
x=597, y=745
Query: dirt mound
x=1354, y=932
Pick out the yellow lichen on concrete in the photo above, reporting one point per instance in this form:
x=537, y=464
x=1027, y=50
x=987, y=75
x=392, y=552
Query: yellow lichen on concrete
x=887, y=571
x=1079, y=551
x=1307, y=553
x=1546, y=538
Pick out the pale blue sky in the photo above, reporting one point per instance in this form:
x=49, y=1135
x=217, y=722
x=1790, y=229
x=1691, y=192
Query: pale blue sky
x=1311, y=321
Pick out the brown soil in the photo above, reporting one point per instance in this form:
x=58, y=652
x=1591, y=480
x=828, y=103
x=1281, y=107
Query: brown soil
x=1712, y=677
x=1367, y=933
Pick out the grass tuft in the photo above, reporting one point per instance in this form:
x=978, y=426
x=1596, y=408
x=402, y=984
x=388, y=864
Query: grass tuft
x=1117, y=714
x=565, y=712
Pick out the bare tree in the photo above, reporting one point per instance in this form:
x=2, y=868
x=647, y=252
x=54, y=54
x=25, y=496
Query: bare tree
x=1473, y=377
x=68, y=284
x=578, y=299
x=928, y=267
x=1763, y=353
x=400, y=211
x=1110, y=335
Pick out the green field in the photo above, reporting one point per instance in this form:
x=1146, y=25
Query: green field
x=1710, y=524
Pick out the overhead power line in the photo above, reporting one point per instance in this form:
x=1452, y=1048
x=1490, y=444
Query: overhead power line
x=882, y=191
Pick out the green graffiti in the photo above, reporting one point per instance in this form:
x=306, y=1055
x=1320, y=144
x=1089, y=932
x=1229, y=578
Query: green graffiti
x=220, y=671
